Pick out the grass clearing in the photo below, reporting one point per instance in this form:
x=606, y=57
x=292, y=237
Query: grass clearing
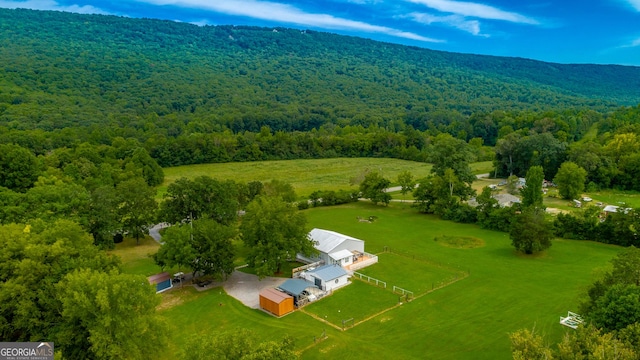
x=347, y=303
x=306, y=175
x=410, y=273
x=468, y=319
x=137, y=258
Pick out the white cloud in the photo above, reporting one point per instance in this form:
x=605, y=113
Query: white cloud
x=634, y=43
x=634, y=3
x=476, y=10
x=456, y=21
x=51, y=5
x=278, y=12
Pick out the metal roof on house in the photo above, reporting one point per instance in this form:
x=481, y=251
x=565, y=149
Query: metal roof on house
x=339, y=255
x=326, y=240
x=328, y=272
x=274, y=295
x=295, y=287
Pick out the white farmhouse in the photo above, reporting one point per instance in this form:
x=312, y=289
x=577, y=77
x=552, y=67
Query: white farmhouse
x=336, y=248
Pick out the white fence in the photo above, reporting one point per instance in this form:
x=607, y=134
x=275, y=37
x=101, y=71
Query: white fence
x=401, y=291
x=369, y=279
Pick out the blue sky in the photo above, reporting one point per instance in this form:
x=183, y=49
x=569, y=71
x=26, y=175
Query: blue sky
x=564, y=31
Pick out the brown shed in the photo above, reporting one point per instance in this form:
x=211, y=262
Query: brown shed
x=276, y=302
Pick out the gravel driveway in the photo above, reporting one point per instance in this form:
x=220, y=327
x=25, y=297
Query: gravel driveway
x=246, y=287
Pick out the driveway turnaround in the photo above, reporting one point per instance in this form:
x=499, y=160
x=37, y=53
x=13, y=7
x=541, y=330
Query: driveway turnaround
x=246, y=287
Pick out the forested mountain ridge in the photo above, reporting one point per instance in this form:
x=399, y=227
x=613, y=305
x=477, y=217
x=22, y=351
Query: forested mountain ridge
x=63, y=70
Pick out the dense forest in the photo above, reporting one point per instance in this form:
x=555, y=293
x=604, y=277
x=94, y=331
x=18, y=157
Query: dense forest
x=191, y=94
x=61, y=70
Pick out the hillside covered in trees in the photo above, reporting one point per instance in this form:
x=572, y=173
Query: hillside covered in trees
x=63, y=70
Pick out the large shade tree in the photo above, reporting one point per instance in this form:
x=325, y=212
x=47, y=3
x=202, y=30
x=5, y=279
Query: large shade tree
x=202, y=197
x=109, y=316
x=530, y=232
x=374, y=186
x=570, y=180
x=275, y=232
x=205, y=246
x=136, y=207
x=532, y=190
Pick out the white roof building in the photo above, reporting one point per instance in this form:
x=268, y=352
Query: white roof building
x=335, y=248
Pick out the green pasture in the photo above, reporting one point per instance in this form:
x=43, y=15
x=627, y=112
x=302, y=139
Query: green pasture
x=471, y=318
x=137, y=258
x=347, y=303
x=617, y=197
x=190, y=312
x=468, y=319
x=482, y=167
x=412, y=272
x=306, y=176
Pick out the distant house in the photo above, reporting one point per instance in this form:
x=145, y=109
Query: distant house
x=327, y=277
x=503, y=200
x=336, y=248
x=162, y=281
x=276, y=302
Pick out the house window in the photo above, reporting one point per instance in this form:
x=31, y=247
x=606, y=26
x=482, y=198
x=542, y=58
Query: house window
x=337, y=280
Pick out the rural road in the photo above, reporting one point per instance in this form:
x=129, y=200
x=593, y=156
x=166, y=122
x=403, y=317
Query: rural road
x=398, y=188
x=154, y=232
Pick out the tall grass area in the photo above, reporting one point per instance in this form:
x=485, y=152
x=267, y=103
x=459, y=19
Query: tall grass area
x=306, y=175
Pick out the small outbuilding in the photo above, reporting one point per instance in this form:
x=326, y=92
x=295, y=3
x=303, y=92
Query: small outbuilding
x=328, y=277
x=162, y=281
x=302, y=290
x=276, y=302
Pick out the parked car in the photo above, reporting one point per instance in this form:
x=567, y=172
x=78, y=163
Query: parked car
x=586, y=199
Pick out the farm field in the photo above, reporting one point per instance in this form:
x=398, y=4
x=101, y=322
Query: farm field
x=468, y=319
x=306, y=176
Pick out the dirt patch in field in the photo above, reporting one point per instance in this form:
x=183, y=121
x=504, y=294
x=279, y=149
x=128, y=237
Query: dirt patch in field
x=459, y=242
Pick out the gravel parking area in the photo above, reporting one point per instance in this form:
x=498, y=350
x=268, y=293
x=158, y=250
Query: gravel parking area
x=246, y=287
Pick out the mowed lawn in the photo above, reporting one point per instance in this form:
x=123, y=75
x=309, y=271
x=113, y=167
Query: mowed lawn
x=356, y=301
x=415, y=274
x=471, y=318
x=306, y=176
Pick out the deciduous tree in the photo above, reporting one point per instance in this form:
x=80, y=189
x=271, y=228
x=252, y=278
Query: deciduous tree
x=406, y=181
x=108, y=316
x=205, y=246
x=532, y=190
x=530, y=232
x=136, y=207
x=570, y=180
x=275, y=232
x=373, y=188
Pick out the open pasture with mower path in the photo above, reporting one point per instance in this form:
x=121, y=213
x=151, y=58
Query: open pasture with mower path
x=469, y=318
